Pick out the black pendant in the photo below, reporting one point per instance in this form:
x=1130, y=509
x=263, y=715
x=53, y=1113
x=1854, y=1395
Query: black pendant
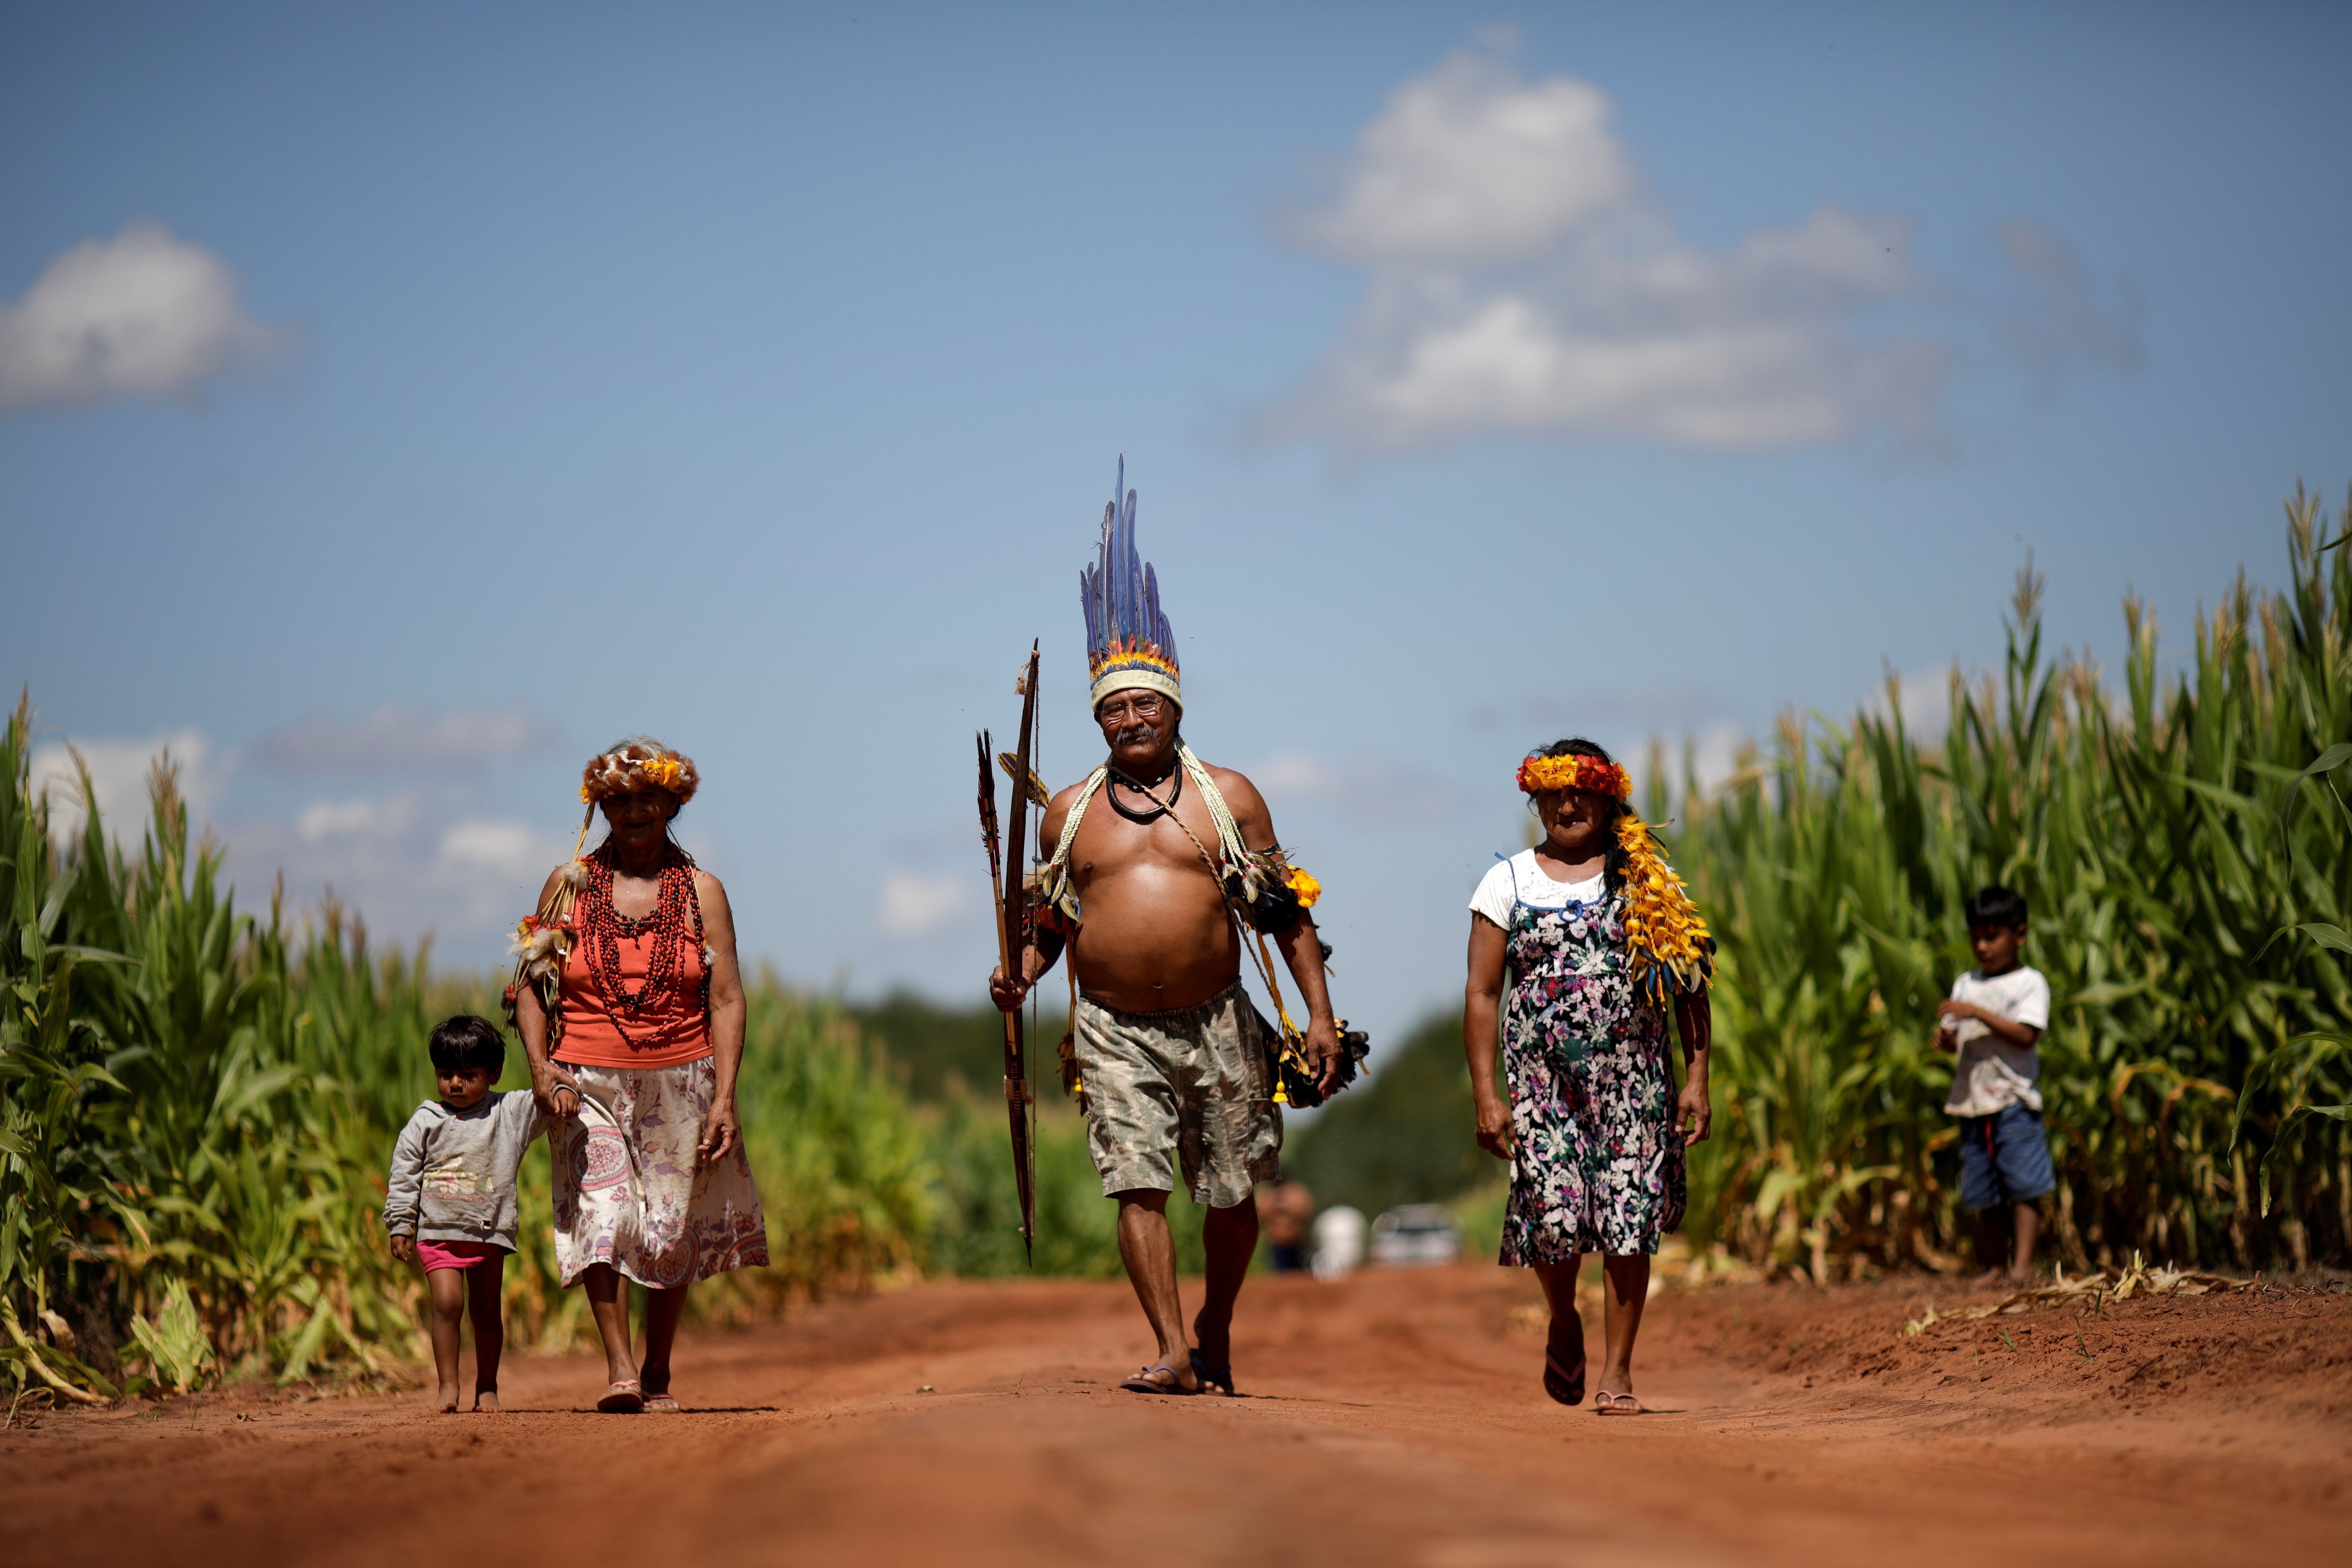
x=1110, y=790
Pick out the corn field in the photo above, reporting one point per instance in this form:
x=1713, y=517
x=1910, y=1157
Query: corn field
x=2184, y=847
x=197, y=1104
x=197, y=1107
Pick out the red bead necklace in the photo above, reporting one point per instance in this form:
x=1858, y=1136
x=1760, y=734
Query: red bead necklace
x=676, y=923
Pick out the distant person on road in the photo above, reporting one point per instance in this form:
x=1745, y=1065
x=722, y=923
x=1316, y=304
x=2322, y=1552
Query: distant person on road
x=1286, y=1209
x=449, y=1202
x=1175, y=1063
x=1993, y=1020
x=627, y=995
x=1581, y=944
x=1339, y=1233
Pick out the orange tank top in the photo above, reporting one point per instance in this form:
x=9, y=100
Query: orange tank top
x=598, y=1030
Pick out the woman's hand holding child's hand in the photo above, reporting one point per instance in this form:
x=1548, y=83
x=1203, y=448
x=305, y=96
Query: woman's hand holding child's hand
x=551, y=1090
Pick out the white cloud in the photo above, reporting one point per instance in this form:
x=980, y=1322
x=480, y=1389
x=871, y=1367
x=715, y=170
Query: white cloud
x=2057, y=316
x=1520, y=279
x=418, y=861
x=141, y=314
x=1466, y=164
x=919, y=903
x=1294, y=775
x=119, y=772
x=1923, y=698
x=403, y=737
x=510, y=850
x=325, y=820
x=1365, y=789
x=1714, y=752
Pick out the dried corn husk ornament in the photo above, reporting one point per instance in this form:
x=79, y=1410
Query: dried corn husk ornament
x=542, y=943
x=1667, y=947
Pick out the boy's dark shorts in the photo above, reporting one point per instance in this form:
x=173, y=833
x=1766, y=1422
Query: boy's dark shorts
x=2004, y=1159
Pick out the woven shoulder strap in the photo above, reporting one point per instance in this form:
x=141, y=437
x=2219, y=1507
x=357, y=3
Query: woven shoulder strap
x=1053, y=884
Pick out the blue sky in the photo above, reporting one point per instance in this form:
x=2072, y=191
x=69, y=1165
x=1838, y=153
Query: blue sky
x=395, y=408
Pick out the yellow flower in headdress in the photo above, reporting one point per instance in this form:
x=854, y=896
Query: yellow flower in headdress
x=635, y=763
x=1537, y=774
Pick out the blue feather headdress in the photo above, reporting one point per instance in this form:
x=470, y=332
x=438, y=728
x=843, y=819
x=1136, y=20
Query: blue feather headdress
x=1129, y=644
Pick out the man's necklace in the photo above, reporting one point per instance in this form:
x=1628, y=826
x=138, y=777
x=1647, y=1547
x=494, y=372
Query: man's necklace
x=1175, y=794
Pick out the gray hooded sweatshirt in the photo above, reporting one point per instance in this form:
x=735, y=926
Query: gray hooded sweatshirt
x=453, y=1172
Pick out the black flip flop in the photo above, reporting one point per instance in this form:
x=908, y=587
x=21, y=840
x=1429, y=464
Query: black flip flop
x=1142, y=1383
x=1565, y=1386
x=1217, y=1377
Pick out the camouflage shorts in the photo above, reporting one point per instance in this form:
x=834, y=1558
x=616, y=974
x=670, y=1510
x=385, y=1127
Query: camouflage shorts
x=1194, y=1081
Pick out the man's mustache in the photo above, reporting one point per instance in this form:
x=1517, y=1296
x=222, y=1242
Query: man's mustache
x=1136, y=734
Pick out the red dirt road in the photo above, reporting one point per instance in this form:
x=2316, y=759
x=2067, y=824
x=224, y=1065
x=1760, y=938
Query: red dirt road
x=1394, y=1417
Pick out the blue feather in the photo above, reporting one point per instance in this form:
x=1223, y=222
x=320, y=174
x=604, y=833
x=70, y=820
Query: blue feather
x=1120, y=593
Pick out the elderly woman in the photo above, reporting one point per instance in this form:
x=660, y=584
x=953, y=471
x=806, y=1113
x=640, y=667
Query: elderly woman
x=631, y=1010
x=1584, y=941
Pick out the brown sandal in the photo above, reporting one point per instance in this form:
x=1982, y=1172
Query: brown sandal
x=626, y=1397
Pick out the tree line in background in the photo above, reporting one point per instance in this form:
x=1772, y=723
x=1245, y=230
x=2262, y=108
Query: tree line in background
x=197, y=1104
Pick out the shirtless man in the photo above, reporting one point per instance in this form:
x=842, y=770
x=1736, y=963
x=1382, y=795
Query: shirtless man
x=1172, y=1057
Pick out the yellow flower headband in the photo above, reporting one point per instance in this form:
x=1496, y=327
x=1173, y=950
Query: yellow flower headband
x=1571, y=772
x=635, y=763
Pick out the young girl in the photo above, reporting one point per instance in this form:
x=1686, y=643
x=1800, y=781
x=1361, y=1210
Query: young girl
x=451, y=1198
x=1581, y=944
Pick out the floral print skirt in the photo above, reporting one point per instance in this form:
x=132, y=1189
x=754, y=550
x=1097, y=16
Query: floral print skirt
x=1599, y=1166
x=627, y=1188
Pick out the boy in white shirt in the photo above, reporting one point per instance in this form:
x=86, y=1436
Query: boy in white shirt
x=1996, y=1015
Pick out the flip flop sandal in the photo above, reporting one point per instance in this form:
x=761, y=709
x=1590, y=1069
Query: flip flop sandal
x=1217, y=1377
x=1566, y=1387
x=663, y=1405
x=1607, y=1404
x=626, y=1397
x=1144, y=1383
x=1563, y=1383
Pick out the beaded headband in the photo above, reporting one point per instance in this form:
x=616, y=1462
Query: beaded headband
x=635, y=763
x=1571, y=772
x=1129, y=643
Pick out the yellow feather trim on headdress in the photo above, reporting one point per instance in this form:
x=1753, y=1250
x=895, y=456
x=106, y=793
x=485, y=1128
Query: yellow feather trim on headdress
x=1667, y=946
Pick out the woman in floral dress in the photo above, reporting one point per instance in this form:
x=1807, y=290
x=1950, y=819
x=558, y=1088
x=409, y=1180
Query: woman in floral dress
x=1581, y=944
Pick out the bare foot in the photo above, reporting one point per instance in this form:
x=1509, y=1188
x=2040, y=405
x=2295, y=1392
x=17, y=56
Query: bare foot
x=1990, y=1276
x=447, y=1404
x=487, y=1399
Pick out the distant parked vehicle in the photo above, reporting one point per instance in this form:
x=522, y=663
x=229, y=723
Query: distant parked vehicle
x=1415, y=1234
x=1338, y=1241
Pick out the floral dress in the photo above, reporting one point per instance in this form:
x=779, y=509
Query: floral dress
x=1599, y=1166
